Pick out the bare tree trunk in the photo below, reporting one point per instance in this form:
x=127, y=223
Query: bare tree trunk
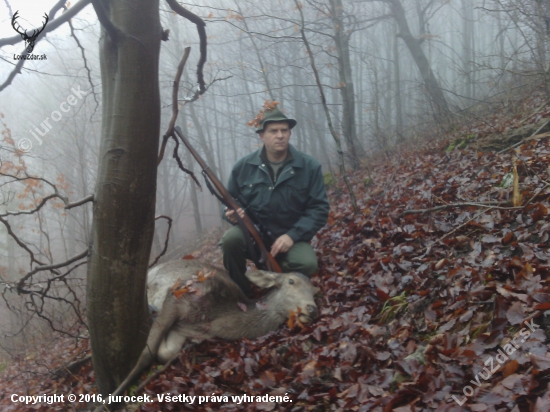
x=193, y=186
x=390, y=91
x=467, y=47
x=219, y=151
x=349, y=129
x=297, y=96
x=397, y=80
x=206, y=148
x=442, y=111
x=327, y=113
x=502, y=55
x=122, y=235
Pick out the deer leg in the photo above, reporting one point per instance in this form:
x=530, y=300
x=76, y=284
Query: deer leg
x=170, y=345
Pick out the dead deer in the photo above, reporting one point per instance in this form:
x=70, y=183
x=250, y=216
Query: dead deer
x=199, y=301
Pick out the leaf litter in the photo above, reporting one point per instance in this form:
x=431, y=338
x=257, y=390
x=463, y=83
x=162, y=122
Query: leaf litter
x=411, y=306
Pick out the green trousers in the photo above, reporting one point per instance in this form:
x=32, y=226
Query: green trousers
x=300, y=258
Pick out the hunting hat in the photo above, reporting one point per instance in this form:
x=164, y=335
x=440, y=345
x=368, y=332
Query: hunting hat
x=275, y=115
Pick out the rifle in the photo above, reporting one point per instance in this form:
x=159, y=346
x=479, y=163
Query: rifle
x=266, y=260
x=265, y=233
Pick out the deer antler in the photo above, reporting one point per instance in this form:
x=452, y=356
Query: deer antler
x=36, y=31
x=13, y=23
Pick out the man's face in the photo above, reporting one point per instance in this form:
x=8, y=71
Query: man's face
x=275, y=137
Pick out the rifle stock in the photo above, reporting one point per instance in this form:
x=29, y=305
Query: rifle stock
x=266, y=257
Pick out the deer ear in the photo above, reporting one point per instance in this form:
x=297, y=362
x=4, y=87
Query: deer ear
x=262, y=278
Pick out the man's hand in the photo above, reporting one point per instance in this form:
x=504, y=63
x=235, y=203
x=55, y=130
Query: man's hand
x=230, y=215
x=282, y=245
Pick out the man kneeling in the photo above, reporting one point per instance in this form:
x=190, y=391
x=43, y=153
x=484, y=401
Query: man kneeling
x=285, y=189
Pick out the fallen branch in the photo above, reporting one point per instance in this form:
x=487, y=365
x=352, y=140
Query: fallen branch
x=429, y=247
x=157, y=373
x=526, y=138
x=70, y=367
x=494, y=205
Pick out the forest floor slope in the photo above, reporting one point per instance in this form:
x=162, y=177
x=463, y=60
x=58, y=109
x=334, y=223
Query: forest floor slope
x=415, y=308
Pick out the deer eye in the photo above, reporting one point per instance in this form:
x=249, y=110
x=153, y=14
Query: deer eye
x=291, y=281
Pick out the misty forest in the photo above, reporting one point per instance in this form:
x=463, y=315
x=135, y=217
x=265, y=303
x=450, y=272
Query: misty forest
x=431, y=121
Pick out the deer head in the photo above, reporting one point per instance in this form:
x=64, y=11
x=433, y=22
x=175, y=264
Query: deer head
x=29, y=40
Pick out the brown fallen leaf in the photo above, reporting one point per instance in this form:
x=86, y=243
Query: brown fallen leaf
x=441, y=263
x=508, y=237
x=510, y=367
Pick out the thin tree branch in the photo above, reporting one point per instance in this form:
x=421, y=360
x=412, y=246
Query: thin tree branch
x=88, y=71
x=169, y=219
x=180, y=164
x=68, y=205
x=9, y=8
x=21, y=62
x=37, y=208
x=14, y=72
x=48, y=267
x=56, y=7
x=175, y=108
x=195, y=96
x=52, y=24
x=80, y=202
x=19, y=242
x=182, y=11
x=175, y=111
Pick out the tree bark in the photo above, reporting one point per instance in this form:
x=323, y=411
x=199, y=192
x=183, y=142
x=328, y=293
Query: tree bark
x=203, y=141
x=192, y=185
x=127, y=172
x=442, y=111
x=398, y=99
x=349, y=129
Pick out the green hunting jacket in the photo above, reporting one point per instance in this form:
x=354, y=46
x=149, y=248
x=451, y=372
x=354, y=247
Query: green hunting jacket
x=296, y=204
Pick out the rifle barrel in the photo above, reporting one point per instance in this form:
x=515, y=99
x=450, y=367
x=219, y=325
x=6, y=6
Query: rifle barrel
x=270, y=261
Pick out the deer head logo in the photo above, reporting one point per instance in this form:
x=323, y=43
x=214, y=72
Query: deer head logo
x=29, y=40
